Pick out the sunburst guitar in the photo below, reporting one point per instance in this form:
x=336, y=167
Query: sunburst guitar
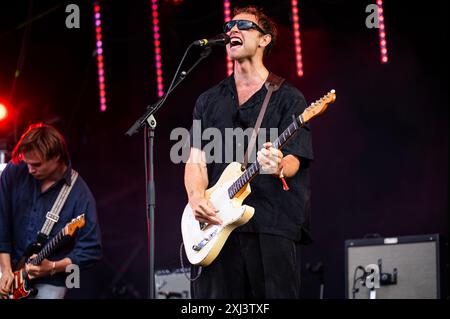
x=22, y=286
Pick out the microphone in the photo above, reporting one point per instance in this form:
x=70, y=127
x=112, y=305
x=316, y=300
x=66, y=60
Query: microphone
x=220, y=39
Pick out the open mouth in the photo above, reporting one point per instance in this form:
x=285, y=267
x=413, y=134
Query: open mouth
x=234, y=42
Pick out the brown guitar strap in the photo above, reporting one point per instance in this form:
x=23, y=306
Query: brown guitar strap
x=272, y=84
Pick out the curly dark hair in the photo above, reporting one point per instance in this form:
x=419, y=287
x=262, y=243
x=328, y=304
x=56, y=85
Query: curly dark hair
x=266, y=23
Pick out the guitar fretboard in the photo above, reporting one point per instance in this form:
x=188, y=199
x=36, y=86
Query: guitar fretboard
x=48, y=248
x=253, y=169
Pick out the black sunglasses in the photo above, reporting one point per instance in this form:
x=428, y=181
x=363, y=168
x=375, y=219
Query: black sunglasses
x=242, y=25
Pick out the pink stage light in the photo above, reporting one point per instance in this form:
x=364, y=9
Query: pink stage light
x=297, y=41
x=157, y=49
x=382, y=32
x=227, y=17
x=100, y=65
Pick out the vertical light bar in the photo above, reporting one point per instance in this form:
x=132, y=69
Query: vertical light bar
x=100, y=65
x=157, y=46
x=382, y=32
x=227, y=17
x=297, y=41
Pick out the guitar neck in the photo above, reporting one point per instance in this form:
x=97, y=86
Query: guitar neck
x=48, y=248
x=253, y=169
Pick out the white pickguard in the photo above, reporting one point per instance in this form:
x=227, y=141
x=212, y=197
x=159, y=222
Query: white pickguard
x=228, y=212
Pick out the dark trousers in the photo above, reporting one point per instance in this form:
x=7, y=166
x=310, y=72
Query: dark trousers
x=251, y=266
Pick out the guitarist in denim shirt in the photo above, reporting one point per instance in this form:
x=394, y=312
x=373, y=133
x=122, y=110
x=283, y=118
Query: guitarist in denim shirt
x=261, y=258
x=29, y=186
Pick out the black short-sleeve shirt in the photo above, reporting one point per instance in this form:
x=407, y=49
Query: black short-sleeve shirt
x=279, y=212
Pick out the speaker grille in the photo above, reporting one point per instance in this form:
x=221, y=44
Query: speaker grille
x=416, y=259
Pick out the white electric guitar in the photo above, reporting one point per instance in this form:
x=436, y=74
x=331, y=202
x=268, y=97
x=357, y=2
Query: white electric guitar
x=203, y=242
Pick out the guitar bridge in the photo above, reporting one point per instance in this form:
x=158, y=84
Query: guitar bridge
x=204, y=241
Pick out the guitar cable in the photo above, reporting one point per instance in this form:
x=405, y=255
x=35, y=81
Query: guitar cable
x=182, y=266
x=360, y=279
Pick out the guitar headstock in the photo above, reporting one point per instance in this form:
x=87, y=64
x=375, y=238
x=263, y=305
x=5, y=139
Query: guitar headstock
x=318, y=106
x=73, y=225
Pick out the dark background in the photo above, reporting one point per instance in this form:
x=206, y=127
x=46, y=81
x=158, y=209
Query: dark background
x=381, y=151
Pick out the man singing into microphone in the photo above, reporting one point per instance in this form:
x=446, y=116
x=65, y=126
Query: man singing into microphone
x=259, y=259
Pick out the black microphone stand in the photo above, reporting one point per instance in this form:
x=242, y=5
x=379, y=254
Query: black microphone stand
x=148, y=120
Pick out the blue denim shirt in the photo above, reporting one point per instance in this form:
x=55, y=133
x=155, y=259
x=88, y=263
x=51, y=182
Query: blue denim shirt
x=22, y=213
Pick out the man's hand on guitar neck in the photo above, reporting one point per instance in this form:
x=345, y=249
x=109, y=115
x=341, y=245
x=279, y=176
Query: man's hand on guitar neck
x=46, y=267
x=271, y=161
x=204, y=211
x=42, y=270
